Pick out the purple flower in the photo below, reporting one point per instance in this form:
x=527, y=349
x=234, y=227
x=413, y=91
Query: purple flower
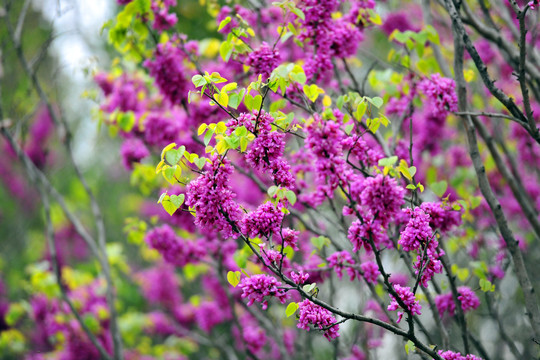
x=174, y=250
x=360, y=233
x=213, y=199
x=169, y=73
x=370, y=272
x=263, y=60
x=133, y=151
x=257, y=287
x=417, y=232
x=312, y=314
x=339, y=261
x=408, y=299
x=450, y=355
x=467, y=297
x=441, y=94
x=441, y=217
x=380, y=195
x=264, y=221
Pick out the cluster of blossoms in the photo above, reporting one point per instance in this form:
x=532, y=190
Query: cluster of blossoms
x=258, y=287
x=173, y=249
x=441, y=93
x=213, y=199
x=332, y=38
x=324, y=143
x=264, y=221
x=342, y=260
x=467, y=298
x=167, y=68
x=418, y=236
x=450, y=355
x=312, y=314
x=263, y=60
x=266, y=150
x=370, y=272
x=408, y=298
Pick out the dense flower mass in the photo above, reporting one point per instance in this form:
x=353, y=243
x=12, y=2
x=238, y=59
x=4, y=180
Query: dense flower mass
x=263, y=60
x=289, y=163
x=450, y=355
x=417, y=233
x=213, y=199
x=312, y=314
x=259, y=287
x=467, y=298
x=133, y=151
x=380, y=195
x=408, y=298
x=362, y=233
x=342, y=260
x=441, y=94
x=264, y=221
x=324, y=142
x=168, y=71
x=174, y=250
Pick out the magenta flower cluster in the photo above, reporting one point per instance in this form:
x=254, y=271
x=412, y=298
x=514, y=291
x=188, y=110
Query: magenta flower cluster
x=264, y=221
x=342, y=260
x=213, y=199
x=467, y=298
x=169, y=72
x=259, y=287
x=441, y=94
x=380, y=196
x=450, y=355
x=312, y=314
x=324, y=143
x=263, y=60
x=408, y=299
x=174, y=250
x=266, y=150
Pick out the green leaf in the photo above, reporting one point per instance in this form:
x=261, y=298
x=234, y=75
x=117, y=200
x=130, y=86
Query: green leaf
x=126, y=121
x=376, y=101
x=177, y=200
x=208, y=137
x=291, y=309
x=476, y=201
x=411, y=187
x=15, y=312
x=291, y=196
x=198, y=80
x=320, y=241
x=312, y=92
x=360, y=111
x=202, y=129
x=389, y=161
x=222, y=98
x=233, y=277
x=439, y=188
x=257, y=102
x=409, y=347
x=174, y=156
x=225, y=50
x=224, y=22
x=272, y=190
x=299, y=13
x=486, y=285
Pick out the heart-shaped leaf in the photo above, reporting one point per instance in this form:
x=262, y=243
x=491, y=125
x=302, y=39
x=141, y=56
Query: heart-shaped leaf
x=177, y=200
x=291, y=309
x=233, y=277
x=173, y=156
